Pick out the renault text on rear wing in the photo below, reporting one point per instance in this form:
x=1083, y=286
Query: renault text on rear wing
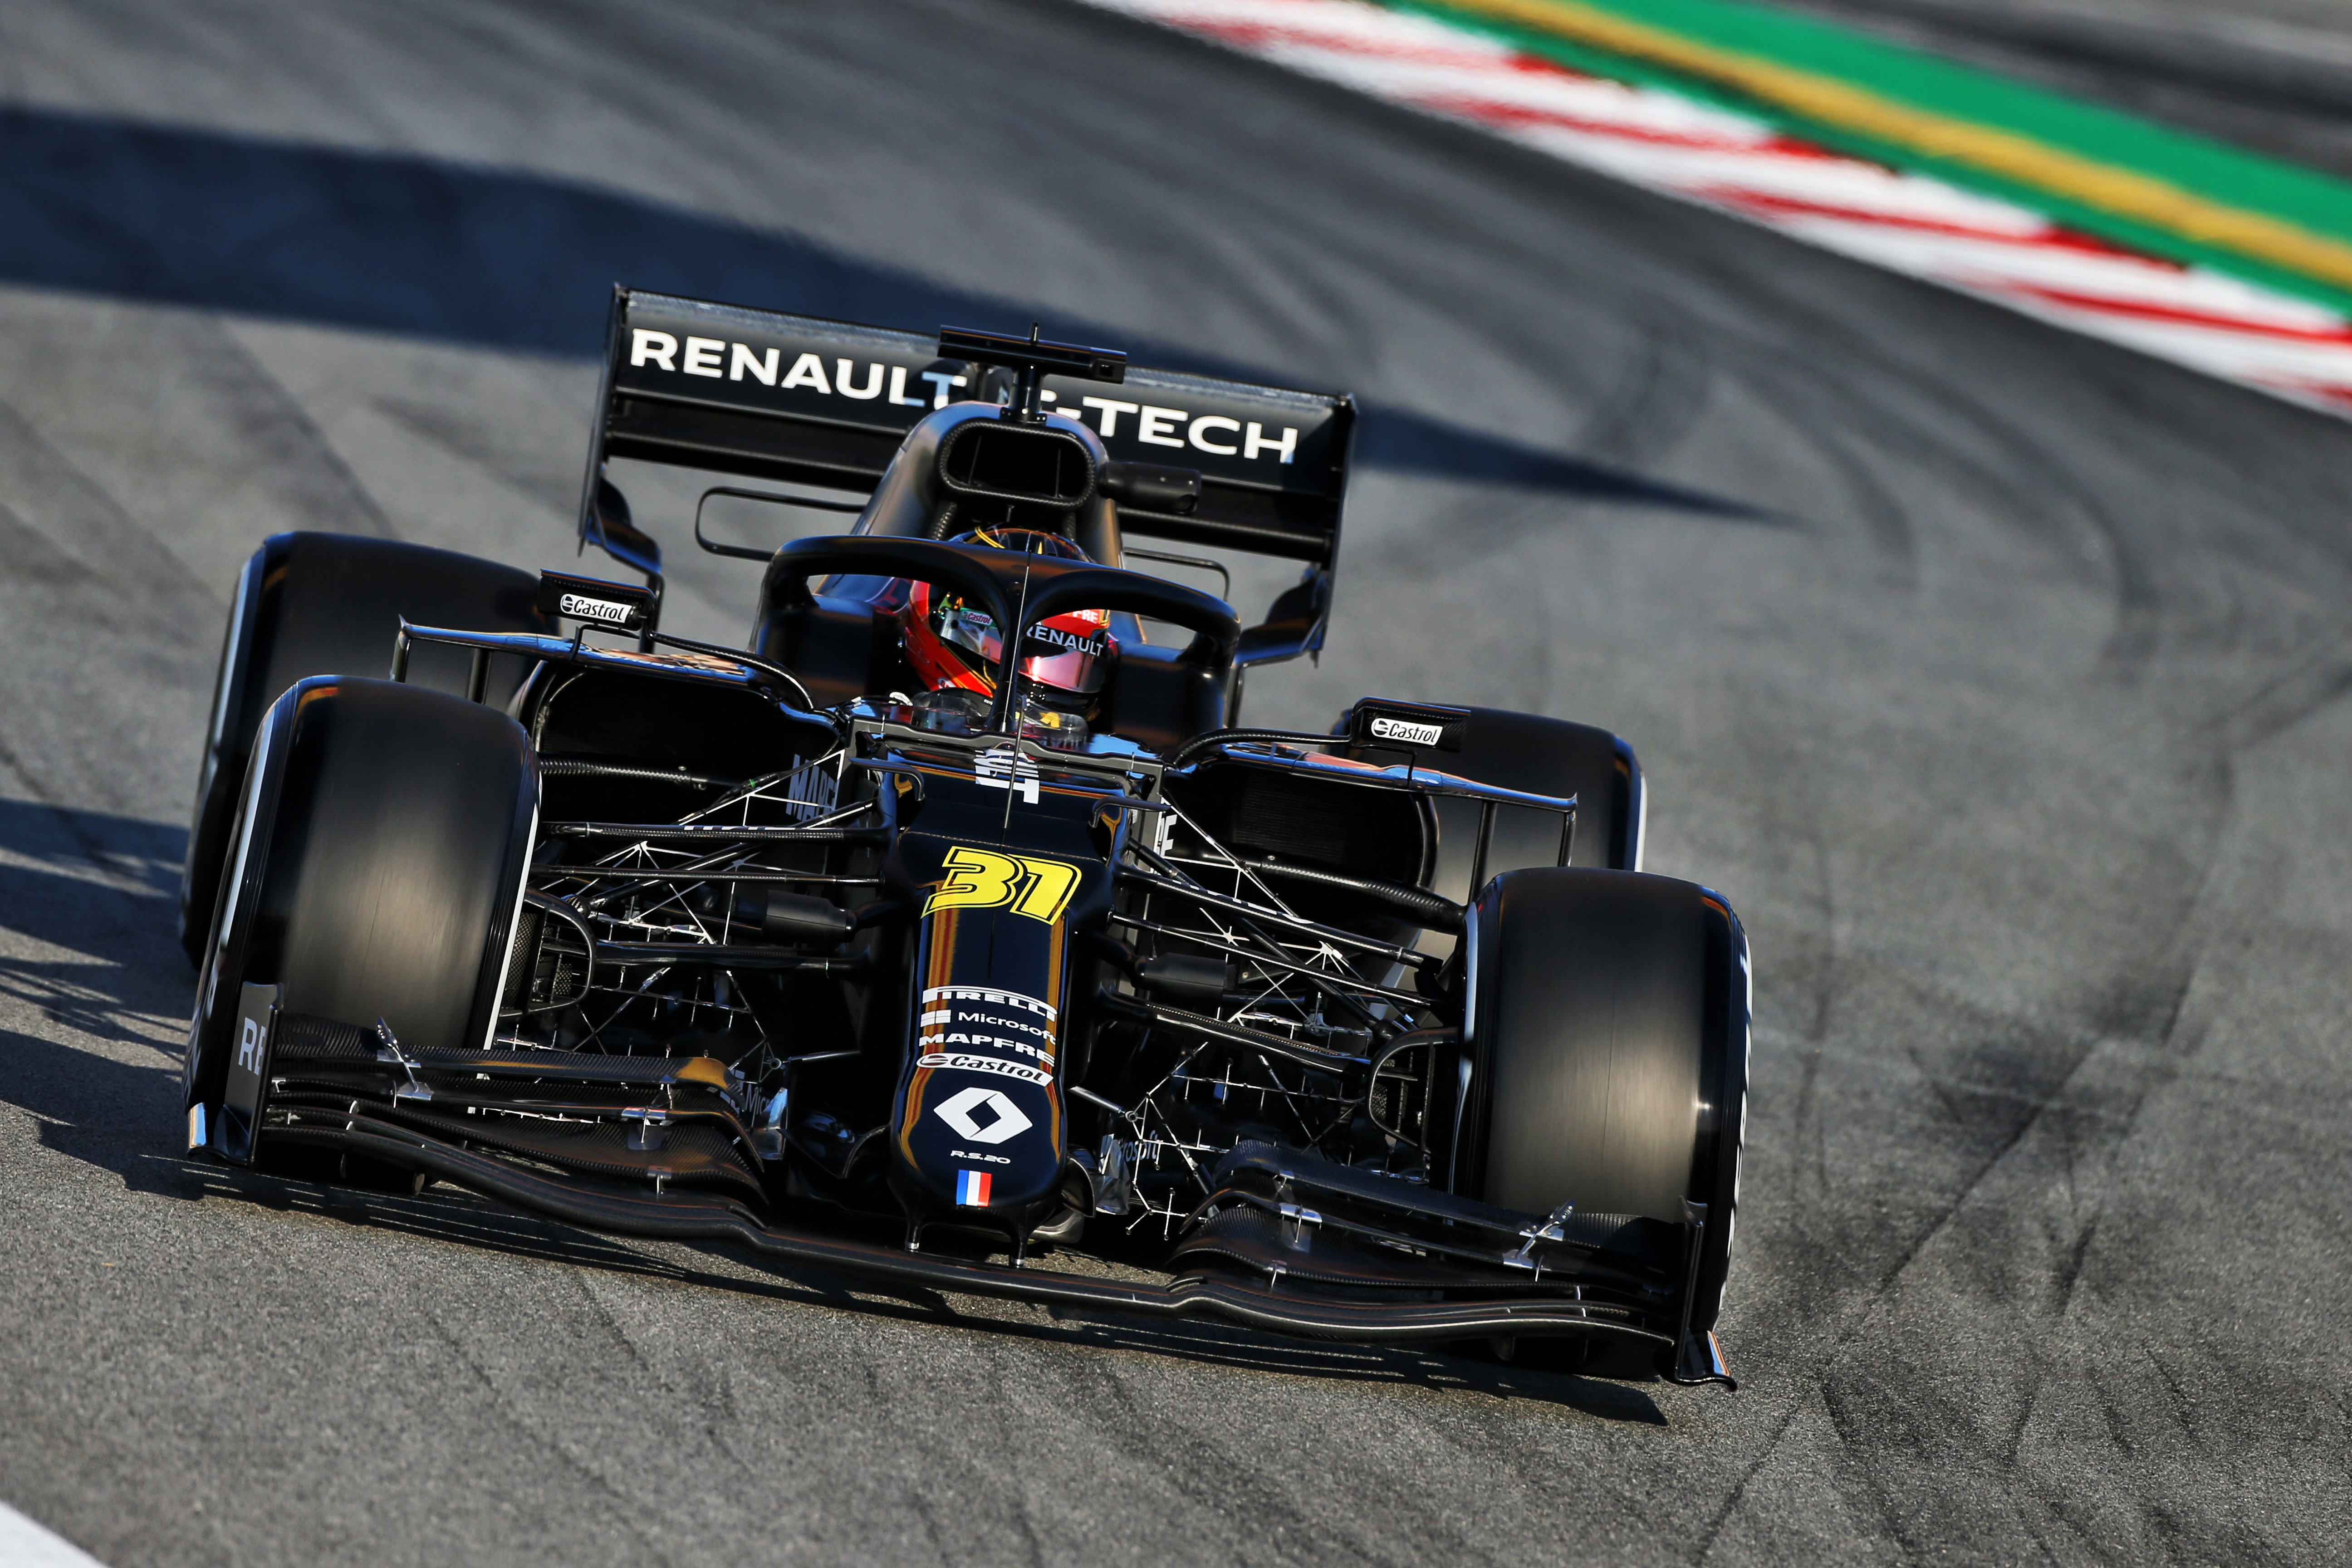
x=804, y=400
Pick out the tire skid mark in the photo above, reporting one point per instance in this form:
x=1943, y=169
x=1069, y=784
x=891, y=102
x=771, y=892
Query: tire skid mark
x=1704, y=1547
x=1819, y=362
x=2018, y=477
x=292, y=443
x=2041, y=1110
x=2142, y=1081
x=31, y=557
x=477, y=446
x=1936, y=1085
x=1887, y=519
x=1825, y=1366
x=1812, y=1125
x=2021, y=480
x=2023, y=1420
x=2296, y=693
x=34, y=784
x=1652, y=405
x=1852, y=1434
x=1198, y=1467
x=113, y=550
x=593, y=1466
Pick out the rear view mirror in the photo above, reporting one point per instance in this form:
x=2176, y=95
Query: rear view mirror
x=1149, y=486
x=1294, y=623
x=610, y=528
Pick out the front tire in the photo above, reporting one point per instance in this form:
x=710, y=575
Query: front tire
x=1607, y=1040
x=375, y=869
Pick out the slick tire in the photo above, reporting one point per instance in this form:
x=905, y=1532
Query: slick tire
x=1608, y=1050
x=1542, y=756
x=376, y=868
x=329, y=604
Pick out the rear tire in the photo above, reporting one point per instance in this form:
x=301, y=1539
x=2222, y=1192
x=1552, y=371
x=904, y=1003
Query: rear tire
x=376, y=868
x=1608, y=1047
x=327, y=604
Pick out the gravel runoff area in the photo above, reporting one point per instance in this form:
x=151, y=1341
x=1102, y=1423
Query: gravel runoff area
x=1994, y=674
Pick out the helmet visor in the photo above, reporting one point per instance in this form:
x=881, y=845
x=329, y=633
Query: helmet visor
x=1067, y=670
x=1068, y=656
x=974, y=631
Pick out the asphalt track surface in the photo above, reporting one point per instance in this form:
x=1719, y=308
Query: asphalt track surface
x=1995, y=675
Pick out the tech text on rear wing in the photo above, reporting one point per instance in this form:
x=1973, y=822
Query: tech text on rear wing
x=803, y=400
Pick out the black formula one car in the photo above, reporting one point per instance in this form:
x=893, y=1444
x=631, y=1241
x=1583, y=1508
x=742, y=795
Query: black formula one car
x=954, y=923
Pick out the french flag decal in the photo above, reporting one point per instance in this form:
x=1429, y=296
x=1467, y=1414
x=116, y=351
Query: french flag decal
x=972, y=1188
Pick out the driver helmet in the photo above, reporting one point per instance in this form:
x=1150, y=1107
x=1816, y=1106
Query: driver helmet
x=956, y=645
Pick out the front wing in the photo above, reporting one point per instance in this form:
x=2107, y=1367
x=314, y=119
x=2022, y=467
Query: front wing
x=318, y=1064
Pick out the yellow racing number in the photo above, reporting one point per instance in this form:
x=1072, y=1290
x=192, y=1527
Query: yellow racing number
x=983, y=880
x=976, y=879
x=1051, y=883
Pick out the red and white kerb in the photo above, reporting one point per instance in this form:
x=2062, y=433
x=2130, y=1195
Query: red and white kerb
x=1906, y=223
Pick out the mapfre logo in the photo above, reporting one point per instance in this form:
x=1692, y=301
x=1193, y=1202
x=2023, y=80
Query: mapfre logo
x=579, y=606
x=1407, y=731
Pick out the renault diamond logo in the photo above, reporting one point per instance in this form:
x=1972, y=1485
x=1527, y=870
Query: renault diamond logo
x=1005, y=1121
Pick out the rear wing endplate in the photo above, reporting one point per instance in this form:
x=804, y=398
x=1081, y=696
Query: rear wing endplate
x=807, y=401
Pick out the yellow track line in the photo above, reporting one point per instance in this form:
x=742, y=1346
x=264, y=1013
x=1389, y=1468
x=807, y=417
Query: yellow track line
x=2141, y=198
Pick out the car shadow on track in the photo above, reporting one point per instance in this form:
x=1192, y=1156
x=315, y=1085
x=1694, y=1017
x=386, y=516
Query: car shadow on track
x=150, y=851
x=93, y=990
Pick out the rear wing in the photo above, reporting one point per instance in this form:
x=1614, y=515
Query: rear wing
x=808, y=401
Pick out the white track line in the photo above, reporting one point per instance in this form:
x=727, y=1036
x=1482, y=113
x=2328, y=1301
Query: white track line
x=24, y=1544
x=1909, y=224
